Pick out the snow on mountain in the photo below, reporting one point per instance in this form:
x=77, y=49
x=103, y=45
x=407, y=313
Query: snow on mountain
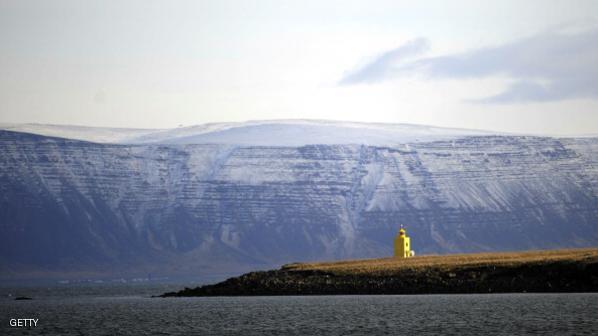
x=92, y=134
x=306, y=132
x=171, y=208
x=258, y=133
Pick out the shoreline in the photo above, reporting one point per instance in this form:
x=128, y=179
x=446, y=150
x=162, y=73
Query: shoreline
x=553, y=271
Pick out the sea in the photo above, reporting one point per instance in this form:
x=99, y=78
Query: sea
x=131, y=310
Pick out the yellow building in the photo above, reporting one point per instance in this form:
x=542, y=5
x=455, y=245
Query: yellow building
x=402, y=245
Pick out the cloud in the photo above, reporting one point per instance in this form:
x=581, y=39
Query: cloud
x=546, y=67
x=382, y=67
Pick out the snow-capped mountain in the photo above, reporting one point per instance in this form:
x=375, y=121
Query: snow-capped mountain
x=302, y=133
x=93, y=134
x=256, y=133
x=232, y=197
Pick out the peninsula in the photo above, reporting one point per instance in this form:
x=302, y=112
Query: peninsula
x=570, y=270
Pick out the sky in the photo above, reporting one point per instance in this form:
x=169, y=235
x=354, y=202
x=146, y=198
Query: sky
x=510, y=66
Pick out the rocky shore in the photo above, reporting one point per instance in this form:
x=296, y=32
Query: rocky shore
x=536, y=271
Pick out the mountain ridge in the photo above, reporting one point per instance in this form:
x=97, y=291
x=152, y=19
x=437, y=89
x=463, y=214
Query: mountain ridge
x=74, y=206
x=303, y=129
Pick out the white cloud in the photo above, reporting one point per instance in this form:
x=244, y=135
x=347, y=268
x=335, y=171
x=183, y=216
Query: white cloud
x=550, y=66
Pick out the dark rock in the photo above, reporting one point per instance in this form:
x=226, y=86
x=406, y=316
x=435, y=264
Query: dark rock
x=19, y=298
x=552, y=276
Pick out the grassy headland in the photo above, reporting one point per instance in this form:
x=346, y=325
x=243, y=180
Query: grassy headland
x=571, y=270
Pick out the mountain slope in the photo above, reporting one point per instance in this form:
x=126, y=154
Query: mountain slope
x=84, y=133
x=256, y=133
x=302, y=133
x=71, y=206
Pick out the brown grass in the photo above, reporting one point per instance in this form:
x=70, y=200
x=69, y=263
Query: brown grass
x=391, y=265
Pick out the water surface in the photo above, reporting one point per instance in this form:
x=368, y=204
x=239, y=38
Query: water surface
x=85, y=312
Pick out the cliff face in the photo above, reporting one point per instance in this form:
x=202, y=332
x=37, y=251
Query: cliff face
x=193, y=208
